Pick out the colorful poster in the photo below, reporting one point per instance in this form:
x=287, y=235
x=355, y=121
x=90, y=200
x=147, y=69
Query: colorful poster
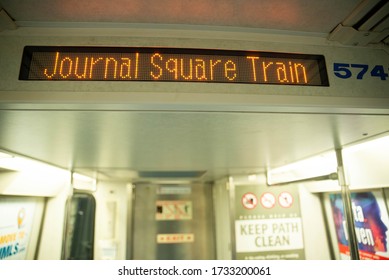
x=268, y=224
x=371, y=224
x=16, y=219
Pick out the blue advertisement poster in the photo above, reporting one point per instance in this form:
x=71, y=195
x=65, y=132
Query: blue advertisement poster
x=16, y=217
x=371, y=224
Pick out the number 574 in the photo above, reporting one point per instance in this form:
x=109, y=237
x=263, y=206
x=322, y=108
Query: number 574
x=346, y=71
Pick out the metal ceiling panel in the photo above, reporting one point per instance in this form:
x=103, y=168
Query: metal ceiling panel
x=292, y=15
x=222, y=143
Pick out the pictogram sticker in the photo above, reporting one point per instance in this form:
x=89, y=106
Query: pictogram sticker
x=173, y=210
x=249, y=201
x=285, y=199
x=268, y=200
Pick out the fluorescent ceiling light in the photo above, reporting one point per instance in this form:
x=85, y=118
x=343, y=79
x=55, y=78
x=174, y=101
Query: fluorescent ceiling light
x=376, y=144
x=4, y=155
x=31, y=177
x=17, y=163
x=82, y=182
x=316, y=166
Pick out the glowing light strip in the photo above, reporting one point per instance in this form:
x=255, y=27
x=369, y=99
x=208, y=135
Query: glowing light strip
x=173, y=65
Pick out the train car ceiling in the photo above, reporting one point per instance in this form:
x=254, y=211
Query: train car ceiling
x=133, y=146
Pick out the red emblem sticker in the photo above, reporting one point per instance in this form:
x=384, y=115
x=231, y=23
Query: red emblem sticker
x=268, y=200
x=285, y=199
x=249, y=201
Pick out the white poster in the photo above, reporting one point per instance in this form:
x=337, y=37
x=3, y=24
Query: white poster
x=268, y=235
x=16, y=218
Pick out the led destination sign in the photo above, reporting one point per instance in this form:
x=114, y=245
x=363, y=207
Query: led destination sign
x=173, y=65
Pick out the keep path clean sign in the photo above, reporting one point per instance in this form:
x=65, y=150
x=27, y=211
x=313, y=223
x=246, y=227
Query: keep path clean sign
x=268, y=223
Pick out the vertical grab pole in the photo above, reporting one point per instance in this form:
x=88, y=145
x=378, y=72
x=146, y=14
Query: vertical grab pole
x=348, y=211
x=231, y=188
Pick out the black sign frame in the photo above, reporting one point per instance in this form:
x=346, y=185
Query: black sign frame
x=284, y=68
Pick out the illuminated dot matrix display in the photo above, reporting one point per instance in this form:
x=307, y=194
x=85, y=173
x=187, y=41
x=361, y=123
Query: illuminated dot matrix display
x=173, y=65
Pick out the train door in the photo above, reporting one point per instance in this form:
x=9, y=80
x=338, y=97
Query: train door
x=80, y=222
x=173, y=222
